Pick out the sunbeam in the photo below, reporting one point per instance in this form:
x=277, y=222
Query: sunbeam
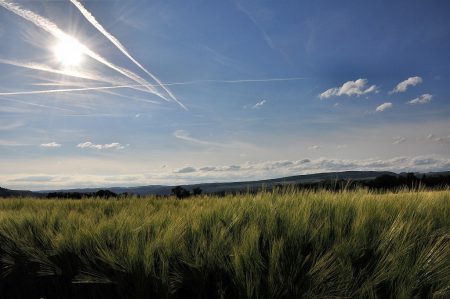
x=121, y=47
x=53, y=29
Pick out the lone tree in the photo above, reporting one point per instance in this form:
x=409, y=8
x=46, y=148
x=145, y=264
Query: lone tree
x=197, y=191
x=180, y=192
x=104, y=194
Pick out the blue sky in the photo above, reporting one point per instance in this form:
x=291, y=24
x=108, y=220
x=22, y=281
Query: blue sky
x=228, y=90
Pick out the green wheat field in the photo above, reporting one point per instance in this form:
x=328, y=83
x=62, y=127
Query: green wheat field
x=284, y=244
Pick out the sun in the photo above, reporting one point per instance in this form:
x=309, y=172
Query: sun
x=69, y=52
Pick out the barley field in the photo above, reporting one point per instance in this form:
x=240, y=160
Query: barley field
x=284, y=244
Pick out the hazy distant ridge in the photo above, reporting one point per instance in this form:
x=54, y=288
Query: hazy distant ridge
x=227, y=186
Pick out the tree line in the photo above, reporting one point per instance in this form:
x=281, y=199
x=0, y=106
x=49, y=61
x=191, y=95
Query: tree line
x=383, y=182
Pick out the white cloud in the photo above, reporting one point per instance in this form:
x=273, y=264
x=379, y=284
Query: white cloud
x=259, y=104
x=423, y=99
x=383, y=107
x=314, y=147
x=187, y=169
x=242, y=172
x=268, y=169
x=441, y=139
x=403, y=86
x=280, y=164
x=50, y=145
x=114, y=145
x=398, y=140
x=349, y=88
x=208, y=168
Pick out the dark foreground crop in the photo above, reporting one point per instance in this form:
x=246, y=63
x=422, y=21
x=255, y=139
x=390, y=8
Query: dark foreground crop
x=291, y=245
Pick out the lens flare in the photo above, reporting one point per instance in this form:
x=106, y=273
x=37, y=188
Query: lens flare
x=69, y=52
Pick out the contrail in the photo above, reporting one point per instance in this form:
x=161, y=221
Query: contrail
x=120, y=46
x=99, y=88
x=47, y=68
x=53, y=29
x=15, y=93
x=129, y=97
x=237, y=81
x=80, y=85
x=70, y=73
x=36, y=105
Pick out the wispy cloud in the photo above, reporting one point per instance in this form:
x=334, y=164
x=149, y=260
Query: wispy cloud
x=187, y=169
x=440, y=139
x=36, y=179
x=384, y=107
x=10, y=126
x=259, y=104
x=16, y=110
x=445, y=139
x=398, y=140
x=35, y=105
x=349, y=88
x=254, y=20
x=314, y=147
x=51, y=145
x=423, y=99
x=121, y=47
x=184, y=135
x=8, y=143
x=88, y=144
x=403, y=86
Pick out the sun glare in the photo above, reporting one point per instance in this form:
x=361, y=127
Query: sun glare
x=68, y=52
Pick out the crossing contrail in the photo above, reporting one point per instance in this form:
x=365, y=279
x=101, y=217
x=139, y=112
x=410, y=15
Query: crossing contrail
x=56, y=83
x=53, y=29
x=15, y=93
x=99, y=88
x=70, y=73
x=120, y=46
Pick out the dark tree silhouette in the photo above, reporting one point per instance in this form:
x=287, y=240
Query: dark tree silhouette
x=180, y=192
x=197, y=191
x=105, y=194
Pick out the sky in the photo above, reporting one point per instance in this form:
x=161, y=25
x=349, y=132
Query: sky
x=143, y=92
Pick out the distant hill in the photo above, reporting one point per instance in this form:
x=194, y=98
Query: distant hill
x=229, y=187
x=240, y=186
x=17, y=193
